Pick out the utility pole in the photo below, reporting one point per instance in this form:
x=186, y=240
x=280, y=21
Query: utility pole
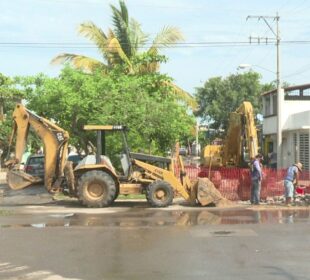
x=280, y=93
x=197, y=139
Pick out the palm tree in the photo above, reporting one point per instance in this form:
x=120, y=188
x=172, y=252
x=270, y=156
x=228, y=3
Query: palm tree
x=121, y=45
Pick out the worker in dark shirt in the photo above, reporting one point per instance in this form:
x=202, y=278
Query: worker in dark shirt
x=256, y=179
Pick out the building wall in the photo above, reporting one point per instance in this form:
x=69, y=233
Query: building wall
x=290, y=108
x=295, y=147
x=270, y=125
x=290, y=117
x=295, y=126
x=288, y=149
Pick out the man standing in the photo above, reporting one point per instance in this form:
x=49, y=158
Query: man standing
x=256, y=178
x=291, y=181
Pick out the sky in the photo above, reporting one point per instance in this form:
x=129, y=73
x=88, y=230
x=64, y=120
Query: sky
x=208, y=26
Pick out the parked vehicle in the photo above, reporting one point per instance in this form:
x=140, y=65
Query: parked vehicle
x=75, y=159
x=35, y=165
x=183, y=151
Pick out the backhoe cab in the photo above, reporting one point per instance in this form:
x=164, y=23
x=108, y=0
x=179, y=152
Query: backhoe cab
x=95, y=181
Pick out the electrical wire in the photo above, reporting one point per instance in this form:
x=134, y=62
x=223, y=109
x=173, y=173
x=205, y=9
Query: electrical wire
x=169, y=45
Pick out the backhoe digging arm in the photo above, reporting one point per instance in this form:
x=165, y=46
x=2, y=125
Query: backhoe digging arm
x=55, y=142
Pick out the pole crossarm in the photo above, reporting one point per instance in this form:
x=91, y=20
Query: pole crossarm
x=259, y=39
x=265, y=19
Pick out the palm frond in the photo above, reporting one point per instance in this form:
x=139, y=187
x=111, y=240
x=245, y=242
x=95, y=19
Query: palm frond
x=137, y=37
x=124, y=11
x=115, y=47
x=79, y=61
x=168, y=36
x=120, y=19
x=184, y=96
x=96, y=35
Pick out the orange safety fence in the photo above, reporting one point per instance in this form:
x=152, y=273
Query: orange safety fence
x=235, y=183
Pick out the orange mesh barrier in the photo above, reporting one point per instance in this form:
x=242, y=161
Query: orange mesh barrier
x=235, y=183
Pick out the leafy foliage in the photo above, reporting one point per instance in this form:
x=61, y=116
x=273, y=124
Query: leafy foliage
x=141, y=102
x=220, y=96
x=9, y=94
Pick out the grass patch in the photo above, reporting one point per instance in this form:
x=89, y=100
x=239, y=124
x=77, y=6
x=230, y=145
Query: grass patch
x=61, y=196
x=131, y=196
x=5, y=213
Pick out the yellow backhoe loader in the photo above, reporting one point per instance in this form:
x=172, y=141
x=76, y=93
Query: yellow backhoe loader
x=94, y=180
x=240, y=144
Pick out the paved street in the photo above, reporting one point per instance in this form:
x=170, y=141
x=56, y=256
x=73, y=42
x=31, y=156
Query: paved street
x=133, y=241
x=184, y=126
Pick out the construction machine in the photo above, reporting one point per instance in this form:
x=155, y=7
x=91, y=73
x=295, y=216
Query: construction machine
x=241, y=141
x=55, y=141
x=95, y=181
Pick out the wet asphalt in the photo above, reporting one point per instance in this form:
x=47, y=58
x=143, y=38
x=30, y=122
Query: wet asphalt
x=133, y=241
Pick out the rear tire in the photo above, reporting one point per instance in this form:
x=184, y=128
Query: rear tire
x=96, y=189
x=159, y=194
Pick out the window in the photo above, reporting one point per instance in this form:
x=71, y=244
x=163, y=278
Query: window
x=304, y=150
x=306, y=92
x=295, y=92
x=267, y=105
x=274, y=104
x=295, y=147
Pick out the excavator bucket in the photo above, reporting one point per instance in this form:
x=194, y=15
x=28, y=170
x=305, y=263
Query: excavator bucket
x=18, y=179
x=207, y=194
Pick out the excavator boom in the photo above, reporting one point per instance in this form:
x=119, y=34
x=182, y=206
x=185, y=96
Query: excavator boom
x=241, y=141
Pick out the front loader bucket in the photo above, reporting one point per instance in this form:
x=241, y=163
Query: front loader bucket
x=207, y=194
x=18, y=179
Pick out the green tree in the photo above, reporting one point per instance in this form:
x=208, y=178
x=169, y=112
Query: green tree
x=122, y=45
x=220, y=96
x=141, y=102
x=9, y=94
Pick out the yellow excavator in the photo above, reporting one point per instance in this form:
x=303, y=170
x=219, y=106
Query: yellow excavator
x=241, y=141
x=94, y=181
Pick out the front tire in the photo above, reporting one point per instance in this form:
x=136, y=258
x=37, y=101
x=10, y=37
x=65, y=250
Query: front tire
x=159, y=194
x=96, y=189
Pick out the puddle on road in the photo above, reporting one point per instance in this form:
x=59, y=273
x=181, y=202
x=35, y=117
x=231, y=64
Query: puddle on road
x=156, y=218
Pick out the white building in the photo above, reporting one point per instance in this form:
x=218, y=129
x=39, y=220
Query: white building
x=295, y=120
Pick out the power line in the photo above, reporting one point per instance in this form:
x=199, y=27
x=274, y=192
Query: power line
x=270, y=41
x=73, y=43
x=67, y=45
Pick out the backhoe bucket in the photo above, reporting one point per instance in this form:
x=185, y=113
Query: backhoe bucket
x=18, y=179
x=207, y=194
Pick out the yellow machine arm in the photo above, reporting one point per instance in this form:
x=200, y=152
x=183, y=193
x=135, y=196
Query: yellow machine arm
x=55, y=141
x=241, y=142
